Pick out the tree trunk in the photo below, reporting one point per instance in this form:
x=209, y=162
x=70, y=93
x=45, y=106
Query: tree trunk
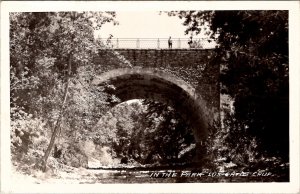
x=43, y=164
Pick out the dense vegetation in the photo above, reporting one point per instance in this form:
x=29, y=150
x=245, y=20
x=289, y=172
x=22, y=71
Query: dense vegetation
x=140, y=134
x=51, y=72
x=253, y=53
x=57, y=113
x=55, y=110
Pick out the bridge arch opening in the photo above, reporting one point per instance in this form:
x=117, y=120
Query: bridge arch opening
x=145, y=132
x=142, y=83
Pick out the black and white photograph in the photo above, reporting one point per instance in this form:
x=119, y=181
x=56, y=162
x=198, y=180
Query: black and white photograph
x=148, y=93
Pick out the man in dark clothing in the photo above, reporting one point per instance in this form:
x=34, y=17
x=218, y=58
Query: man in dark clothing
x=190, y=42
x=170, y=42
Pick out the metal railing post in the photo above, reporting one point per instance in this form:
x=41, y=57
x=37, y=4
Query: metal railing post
x=161, y=43
x=138, y=43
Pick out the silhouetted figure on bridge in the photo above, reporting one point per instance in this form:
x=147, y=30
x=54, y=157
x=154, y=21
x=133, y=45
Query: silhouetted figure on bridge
x=190, y=42
x=170, y=43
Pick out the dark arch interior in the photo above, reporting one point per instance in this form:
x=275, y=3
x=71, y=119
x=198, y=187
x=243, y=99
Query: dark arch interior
x=130, y=86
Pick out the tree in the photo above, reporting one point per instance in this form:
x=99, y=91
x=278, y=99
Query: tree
x=145, y=132
x=253, y=53
x=40, y=45
x=167, y=135
x=46, y=51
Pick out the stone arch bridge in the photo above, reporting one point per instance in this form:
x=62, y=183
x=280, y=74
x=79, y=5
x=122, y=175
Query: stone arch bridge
x=183, y=78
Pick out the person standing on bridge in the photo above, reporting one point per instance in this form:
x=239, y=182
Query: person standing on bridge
x=190, y=42
x=170, y=43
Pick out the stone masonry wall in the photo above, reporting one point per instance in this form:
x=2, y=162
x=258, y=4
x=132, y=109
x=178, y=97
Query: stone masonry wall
x=190, y=65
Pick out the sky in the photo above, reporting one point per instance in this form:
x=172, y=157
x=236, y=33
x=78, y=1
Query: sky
x=144, y=24
x=148, y=24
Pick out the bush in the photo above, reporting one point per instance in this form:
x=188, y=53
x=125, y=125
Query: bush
x=27, y=134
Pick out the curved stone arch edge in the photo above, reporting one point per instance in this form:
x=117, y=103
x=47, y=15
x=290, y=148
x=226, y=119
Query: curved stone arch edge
x=105, y=78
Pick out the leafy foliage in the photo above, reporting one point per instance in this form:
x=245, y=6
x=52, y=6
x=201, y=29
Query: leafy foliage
x=169, y=135
x=42, y=46
x=253, y=53
x=145, y=133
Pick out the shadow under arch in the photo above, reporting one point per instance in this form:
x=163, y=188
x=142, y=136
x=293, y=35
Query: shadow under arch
x=147, y=83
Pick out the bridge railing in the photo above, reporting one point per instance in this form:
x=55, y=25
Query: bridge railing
x=158, y=43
